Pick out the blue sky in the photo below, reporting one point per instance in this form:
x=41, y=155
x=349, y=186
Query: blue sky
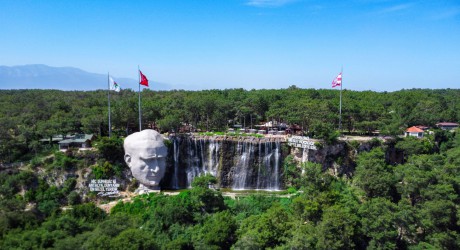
x=383, y=45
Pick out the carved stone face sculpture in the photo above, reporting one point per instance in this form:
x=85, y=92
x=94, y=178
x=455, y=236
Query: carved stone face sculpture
x=145, y=154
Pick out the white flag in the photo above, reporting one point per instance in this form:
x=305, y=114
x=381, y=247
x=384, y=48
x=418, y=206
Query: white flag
x=114, y=85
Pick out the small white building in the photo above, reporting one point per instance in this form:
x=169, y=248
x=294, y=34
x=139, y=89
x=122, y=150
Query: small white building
x=415, y=131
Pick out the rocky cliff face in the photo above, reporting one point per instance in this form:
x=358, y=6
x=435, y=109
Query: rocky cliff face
x=237, y=162
x=249, y=162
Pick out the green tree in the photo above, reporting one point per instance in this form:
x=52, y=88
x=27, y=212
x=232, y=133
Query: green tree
x=373, y=175
x=267, y=230
x=324, y=131
x=337, y=229
x=111, y=149
x=303, y=236
x=217, y=232
x=379, y=223
x=411, y=146
x=134, y=239
x=203, y=198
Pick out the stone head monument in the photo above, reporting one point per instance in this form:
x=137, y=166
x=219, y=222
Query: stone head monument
x=145, y=154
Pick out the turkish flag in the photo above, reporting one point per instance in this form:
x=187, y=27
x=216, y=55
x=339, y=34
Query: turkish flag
x=144, y=81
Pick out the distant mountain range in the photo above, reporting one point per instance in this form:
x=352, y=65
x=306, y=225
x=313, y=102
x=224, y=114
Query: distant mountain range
x=39, y=76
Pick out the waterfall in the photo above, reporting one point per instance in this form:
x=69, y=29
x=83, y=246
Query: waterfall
x=304, y=157
x=244, y=164
x=175, y=180
x=268, y=167
x=213, y=158
x=275, y=174
x=260, y=167
x=245, y=151
x=193, y=162
x=202, y=159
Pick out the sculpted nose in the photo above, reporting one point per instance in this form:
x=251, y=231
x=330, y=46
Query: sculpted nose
x=154, y=170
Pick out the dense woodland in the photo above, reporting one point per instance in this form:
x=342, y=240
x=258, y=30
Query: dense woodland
x=404, y=206
x=29, y=115
x=411, y=205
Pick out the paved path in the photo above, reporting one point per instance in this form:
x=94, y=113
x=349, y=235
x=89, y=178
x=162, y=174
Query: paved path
x=128, y=197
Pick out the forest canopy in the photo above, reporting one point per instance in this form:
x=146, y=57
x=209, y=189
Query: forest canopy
x=412, y=204
x=405, y=206
x=29, y=115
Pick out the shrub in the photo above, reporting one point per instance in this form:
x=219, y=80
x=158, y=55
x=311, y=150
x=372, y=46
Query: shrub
x=73, y=198
x=324, y=131
x=111, y=149
x=62, y=161
x=104, y=171
x=291, y=190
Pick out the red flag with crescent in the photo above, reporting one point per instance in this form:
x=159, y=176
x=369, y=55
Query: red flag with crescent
x=144, y=81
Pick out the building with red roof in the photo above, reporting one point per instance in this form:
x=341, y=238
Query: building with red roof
x=415, y=131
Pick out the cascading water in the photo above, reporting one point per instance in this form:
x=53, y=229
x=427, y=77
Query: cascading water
x=193, y=162
x=175, y=180
x=268, y=169
x=213, y=158
x=242, y=169
x=243, y=164
x=260, y=167
x=305, y=153
x=275, y=175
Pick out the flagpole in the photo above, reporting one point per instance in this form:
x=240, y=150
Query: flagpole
x=140, y=119
x=340, y=109
x=108, y=98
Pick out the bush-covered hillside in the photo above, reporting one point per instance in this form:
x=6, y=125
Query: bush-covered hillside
x=407, y=206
